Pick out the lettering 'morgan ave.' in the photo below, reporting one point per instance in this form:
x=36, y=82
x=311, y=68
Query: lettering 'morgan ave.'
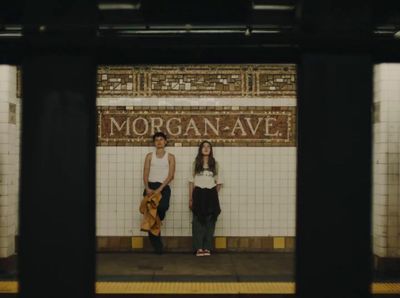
x=269, y=125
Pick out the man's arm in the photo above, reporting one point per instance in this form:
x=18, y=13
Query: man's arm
x=171, y=172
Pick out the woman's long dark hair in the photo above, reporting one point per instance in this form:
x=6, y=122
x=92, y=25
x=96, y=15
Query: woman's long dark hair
x=199, y=160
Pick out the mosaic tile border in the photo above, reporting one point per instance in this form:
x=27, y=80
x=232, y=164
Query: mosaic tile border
x=209, y=80
x=184, y=244
x=202, y=80
x=122, y=137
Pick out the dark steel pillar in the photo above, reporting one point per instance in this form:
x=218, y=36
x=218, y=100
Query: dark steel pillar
x=333, y=245
x=57, y=189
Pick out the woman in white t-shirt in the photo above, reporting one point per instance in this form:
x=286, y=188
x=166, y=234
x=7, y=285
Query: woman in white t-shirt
x=204, y=186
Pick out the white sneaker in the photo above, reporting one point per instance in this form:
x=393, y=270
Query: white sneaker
x=199, y=253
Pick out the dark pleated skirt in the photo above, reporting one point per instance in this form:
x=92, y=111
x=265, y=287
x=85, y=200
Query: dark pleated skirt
x=206, y=203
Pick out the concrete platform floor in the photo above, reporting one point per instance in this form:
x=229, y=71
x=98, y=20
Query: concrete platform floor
x=187, y=267
x=229, y=267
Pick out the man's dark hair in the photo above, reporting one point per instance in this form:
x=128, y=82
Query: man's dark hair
x=159, y=134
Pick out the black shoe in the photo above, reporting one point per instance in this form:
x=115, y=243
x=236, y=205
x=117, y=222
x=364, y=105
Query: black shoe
x=156, y=243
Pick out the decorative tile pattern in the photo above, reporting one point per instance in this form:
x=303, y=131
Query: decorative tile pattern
x=137, y=242
x=256, y=80
x=186, y=126
x=184, y=244
x=265, y=80
x=220, y=242
x=115, y=81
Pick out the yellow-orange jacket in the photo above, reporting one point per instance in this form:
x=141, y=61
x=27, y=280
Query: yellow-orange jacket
x=148, y=207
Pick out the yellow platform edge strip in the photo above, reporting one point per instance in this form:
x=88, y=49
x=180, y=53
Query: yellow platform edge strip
x=201, y=287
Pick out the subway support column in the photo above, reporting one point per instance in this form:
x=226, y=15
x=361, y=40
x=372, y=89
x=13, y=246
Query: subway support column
x=334, y=176
x=333, y=236
x=57, y=202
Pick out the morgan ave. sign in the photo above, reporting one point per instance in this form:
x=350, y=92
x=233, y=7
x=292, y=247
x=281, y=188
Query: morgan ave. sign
x=187, y=126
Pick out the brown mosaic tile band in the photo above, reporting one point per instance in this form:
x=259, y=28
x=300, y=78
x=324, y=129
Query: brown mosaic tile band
x=208, y=80
x=184, y=244
x=187, y=126
x=261, y=80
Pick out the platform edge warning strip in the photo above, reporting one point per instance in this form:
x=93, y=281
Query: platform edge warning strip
x=201, y=287
x=195, y=288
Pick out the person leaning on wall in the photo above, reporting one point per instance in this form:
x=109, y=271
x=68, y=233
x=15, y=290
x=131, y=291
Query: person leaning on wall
x=159, y=171
x=204, y=186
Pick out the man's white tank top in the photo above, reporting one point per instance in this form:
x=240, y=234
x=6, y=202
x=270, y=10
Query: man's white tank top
x=159, y=168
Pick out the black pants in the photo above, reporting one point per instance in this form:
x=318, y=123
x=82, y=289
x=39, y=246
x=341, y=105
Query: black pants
x=161, y=210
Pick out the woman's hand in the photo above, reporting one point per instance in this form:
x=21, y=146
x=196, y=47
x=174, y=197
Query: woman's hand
x=190, y=195
x=158, y=190
x=149, y=191
x=190, y=204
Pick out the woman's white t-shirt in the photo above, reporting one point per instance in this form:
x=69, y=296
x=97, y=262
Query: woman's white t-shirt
x=206, y=178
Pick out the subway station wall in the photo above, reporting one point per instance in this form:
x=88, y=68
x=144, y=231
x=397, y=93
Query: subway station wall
x=247, y=111
x=9, y=159
x=386, y=164
x=258, y=198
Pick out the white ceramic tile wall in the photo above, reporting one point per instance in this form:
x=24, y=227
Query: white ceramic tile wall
x=258, y=197
x=259, y=194
x=386, y=161
x=9, y=161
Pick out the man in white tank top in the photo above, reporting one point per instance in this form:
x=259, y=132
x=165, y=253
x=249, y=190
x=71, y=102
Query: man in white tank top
x=159, y=170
